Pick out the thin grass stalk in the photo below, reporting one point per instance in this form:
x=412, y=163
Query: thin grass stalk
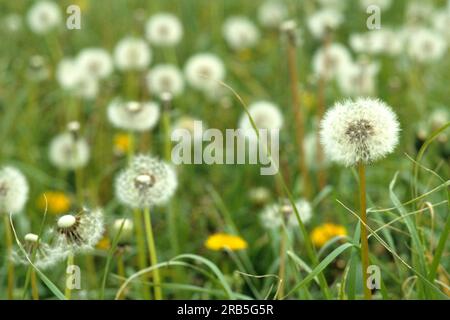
x=298, y=111
x=282, y=266
x=9, y=264
x=364, y=239
x=34, y=285
x=152, y=253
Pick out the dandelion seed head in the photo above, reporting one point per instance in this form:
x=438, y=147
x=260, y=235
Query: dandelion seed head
x=44, y=16
x=323, y=21
x=358, y=79
x=363, y=130
x=146, y=182
x=426, y=45
x=132, y=53
x=67, y=151
x=133, y=115
x=13, y=190
x=265, y=115
x=80, y=232
x=164, y=29
x=95, y=63
x=271, y=13
x=204, y=70
x=329, y=61
x=274, y=214
x=240, y=33
x=165, y=78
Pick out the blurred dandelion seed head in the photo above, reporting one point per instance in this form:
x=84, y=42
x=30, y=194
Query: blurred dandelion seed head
x=164, y=29
x=68, y=152
x=132, y=53
x=13, y=190
x=165, y=78
x=133, y=115
x=43, y=17
x=204, y=71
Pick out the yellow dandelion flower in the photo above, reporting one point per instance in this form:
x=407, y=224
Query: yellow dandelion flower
x=57, y=202
x=104, y=244
x=323, y=233
x=122, y=143
x=220, y=241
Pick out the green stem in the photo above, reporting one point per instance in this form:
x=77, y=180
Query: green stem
x=9, y=265
x=152, y=253
x=140, y=241
x=364, y=240
x=68, y=291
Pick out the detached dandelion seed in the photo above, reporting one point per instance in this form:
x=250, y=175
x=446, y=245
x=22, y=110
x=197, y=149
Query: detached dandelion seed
x=358, y=133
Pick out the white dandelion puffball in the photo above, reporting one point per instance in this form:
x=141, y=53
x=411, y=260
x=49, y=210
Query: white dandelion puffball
x=265, y=115
x=68, y=151
x=81, y=232
x=328, y=61
x=382, y=4
x=240, y=33
x=272, y=13
x=67, y=73
x=95, y=63
x=164, y=29
x=132, y=54
x=363, y=130
x=133, y=115
x=383, y=41
x=204, y=70
x=45, y=256
x=146, y=182
x=273, y=215
x=441, y=21
x=425, y=45
x=13, y=190
x=323, y=21
x=359, y=79
x=165, y=78
x=44, y=16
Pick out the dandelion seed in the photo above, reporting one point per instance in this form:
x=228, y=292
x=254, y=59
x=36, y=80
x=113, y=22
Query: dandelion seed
x=146, y=182
x=132, y=54
x=44, y=16
x=363, y=130
x=80, y=232
x=13, y=190
x=164, y=29
x=204, y=70
x=133, y=115
x=240, y=33
x=223, y=241
x=165, y=78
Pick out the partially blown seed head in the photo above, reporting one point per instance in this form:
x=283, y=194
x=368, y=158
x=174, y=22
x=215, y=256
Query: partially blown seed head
x=13, y=190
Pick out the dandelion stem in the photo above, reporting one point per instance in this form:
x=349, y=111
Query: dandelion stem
x=282, y=268
x=34, y=287
x=152, y=253
x=298, y=111
x=10, y=266
x=120, y=268
x=68, y=291
x=140, y=241
x=364, y=240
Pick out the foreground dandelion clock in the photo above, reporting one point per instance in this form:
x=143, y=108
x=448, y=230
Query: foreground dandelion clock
x=265, y=115
x=69, y=151
x=13, y=190
x=165, y=78
x=44, y=16
x=164, y=29
x=80, y=232
x=357, y=133
x=132, y=54
x=146, y=182
x=95, y=63
x=204, y=70
x=240, y=33
x=363, y=130
x=133, y=115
